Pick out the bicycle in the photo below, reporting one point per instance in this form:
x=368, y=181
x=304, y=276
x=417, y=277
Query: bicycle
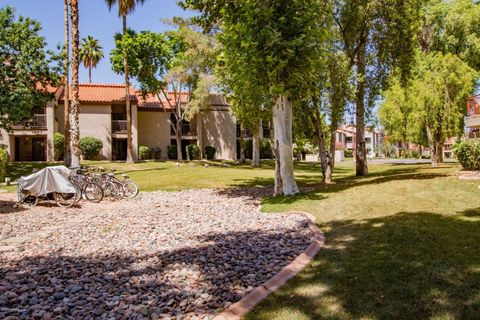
x=89, y=189
x=130, y=188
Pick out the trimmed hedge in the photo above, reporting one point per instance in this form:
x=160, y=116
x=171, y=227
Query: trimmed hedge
x=210, y=152
x=266, y=151
x=193, y=152
x=58, y=145
x=468, y=154
x=172, y=152
x=3, y=163
x=348, y=153
x=90, y=147
x=143, y=153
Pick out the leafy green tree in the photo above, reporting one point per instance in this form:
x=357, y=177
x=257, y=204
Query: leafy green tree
x=179, y=60
x=269, y=47
x=26, y=71
x=377, y=37
x=396, y=113
x=91, y=52
x=440, y=88
x=452, y=27
x=126, y=7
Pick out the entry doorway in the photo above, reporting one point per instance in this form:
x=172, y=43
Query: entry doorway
x=119, y=149
x=30, y=148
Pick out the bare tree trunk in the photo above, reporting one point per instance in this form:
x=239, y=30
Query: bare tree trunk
x=278, y=185
x=127, y=98
x=433, y=147
x=256, y=148
x=67, y=157
x=242, y=145
x=75, y=106
x=178, y=138
x=90, y=74
x=282, y=119
x=439, y=150
x=322, y=153
x=361, y=150
x=331, y=158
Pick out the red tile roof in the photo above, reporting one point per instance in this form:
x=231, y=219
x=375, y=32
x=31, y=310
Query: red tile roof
x=109, y=93
x=104, y=93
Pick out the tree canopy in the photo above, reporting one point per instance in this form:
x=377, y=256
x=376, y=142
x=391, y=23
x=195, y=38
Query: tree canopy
x=27, y=69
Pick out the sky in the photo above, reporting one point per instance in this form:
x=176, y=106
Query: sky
x=96, y=20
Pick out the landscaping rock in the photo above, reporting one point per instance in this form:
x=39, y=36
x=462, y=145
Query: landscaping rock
x=178, y=255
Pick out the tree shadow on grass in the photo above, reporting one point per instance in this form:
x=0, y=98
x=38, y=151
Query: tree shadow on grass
x=133, y=285
x=412, y=265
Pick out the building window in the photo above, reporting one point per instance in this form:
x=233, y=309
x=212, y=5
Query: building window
x=348, y=139
x=368, y=140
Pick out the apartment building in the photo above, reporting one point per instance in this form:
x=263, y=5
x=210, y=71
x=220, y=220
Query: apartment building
x=346, y=139
x=472, y=121
x=103, y=116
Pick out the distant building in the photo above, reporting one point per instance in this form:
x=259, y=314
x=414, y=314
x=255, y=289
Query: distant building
x=472, y=121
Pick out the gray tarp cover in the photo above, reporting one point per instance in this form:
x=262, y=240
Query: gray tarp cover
x=47, y=180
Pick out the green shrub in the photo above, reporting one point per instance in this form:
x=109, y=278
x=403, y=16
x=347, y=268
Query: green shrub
x=193, y=152
x=155, y=153
x=248, y=148
x=58, y=145
x=266, y=151
x=210, y=152
x=144, y=153
x=348, y=153
x=90, y=147
x=468, y=154
x=172, y=152
x=3, y=163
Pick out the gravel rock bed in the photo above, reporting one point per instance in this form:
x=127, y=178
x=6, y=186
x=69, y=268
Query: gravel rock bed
x=179, y=255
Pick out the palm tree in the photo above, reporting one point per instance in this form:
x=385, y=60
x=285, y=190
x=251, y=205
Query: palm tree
x=91, y=52
x=66, y=112
x=75, y=103
x=126, y=7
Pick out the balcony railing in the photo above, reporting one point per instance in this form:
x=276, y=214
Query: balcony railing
x=187, y=130
x=38, y=122
x=119, y=126
x=474, y=135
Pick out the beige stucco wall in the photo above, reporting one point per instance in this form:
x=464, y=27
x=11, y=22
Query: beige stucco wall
x=154, y=130
x=96, y=121
x=219, y=130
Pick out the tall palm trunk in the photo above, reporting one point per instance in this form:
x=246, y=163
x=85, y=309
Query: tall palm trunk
x=75, y=137
x=67, y=157
x=361, y=150
x=90, y=73
x=127, y=98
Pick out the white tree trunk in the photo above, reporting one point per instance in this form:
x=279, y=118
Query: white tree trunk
x=256, y=148
x=282, y=121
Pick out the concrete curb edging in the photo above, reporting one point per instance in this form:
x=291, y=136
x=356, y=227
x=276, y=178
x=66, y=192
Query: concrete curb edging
x=254, y=297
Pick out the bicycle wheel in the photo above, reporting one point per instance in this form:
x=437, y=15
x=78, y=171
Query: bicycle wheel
x=93, y=192
x=31, y=201
x=130, y=188
x=65, y=200
x=113, y=190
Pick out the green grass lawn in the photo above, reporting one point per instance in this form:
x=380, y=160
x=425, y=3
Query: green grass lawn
x=402, y=243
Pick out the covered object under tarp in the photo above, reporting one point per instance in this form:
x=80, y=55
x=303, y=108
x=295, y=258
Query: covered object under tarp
x=47, y=180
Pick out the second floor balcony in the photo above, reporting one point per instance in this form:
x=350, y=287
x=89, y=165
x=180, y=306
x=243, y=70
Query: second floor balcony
x=119, y=126
x=188, y=129
x=38, y=122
